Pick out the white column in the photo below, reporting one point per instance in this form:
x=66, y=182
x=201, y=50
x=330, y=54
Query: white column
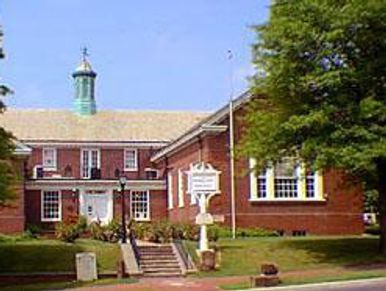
x=301, y=181
x=252, y=180
x=270, y=176
x=203, y=245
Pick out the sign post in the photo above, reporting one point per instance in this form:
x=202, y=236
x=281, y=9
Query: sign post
x=203, y=183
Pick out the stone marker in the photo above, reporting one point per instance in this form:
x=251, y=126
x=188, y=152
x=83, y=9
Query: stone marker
x=86, y=267
x=268, y=277
x=208, y=260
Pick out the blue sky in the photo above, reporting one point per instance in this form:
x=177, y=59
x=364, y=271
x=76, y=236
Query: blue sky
x=148, y=54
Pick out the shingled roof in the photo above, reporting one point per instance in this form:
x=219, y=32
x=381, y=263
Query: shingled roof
x=113, y=126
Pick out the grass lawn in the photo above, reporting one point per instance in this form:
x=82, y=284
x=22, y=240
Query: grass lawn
x=43, y=255
x=66, y=285
x=244, y=256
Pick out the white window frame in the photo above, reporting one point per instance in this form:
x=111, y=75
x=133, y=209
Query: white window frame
x=52, y=167
x=135, y=168
x=270, y=185
x=170, y=190
x=89, y=150
x=147, y=218
x=44, y=219
x=180, y=188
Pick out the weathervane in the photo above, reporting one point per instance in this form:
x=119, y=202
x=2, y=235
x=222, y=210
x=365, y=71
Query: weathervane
x=85, y=53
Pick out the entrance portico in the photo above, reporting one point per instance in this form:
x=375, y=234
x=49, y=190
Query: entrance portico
x=96, y=205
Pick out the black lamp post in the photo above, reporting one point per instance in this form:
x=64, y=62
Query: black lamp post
x=122, y=183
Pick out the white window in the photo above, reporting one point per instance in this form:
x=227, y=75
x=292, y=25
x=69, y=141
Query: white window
x=140, y=205
x=90, y=159
x=287, y=180
x=49, y=159
x=131, y=160
x=180, y=188
x=170, y=190
x=51, y=206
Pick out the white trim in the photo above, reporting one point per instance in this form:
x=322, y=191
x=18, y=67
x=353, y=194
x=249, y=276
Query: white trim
x=42, y=205
x=186, y=139
x=202, y=126
x=110, y=203
x=100, y=144
x=89, y=150
x=62, y=184
x=180, y=185
x=134, y=169
x=170, y=190
x=252, y=180
x=55, y=160
x=270, y=186
x=148, y=205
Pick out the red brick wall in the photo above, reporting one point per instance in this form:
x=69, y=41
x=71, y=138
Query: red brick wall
x=111, y=159
x=70, y=207
x=341, y=213
x=12, y=218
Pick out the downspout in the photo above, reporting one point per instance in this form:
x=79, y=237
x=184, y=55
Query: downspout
x=232, y=168
x=232, y=146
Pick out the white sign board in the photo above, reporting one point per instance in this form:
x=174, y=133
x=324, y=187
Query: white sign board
x=204, y=218
x=203, y=178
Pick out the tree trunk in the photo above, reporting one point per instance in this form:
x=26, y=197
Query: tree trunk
x=381, y=170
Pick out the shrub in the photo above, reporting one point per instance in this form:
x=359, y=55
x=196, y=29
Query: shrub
x=373, y=229
x=69, y=231
x=108, y=233
x=33, y=230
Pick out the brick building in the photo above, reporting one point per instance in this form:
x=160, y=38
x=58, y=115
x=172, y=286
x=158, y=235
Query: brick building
x=71, y=161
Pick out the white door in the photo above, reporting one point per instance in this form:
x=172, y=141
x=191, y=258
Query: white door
x=96, y=206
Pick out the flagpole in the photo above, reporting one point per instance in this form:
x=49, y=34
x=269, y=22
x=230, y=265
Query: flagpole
x=232, y=146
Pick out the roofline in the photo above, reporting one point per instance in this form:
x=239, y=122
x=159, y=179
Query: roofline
x=22, y=149
x=201, y=127
x=64, y=143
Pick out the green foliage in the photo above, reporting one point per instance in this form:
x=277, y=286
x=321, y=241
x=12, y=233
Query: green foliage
x=107, y=233
x=69, y=232
x=33, y=229
x=8, y=176
x=371, y=201
x=165, y=231
x=324, y=86
x=216, y=231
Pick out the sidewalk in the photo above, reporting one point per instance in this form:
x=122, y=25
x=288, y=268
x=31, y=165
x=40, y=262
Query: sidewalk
x=213, y=283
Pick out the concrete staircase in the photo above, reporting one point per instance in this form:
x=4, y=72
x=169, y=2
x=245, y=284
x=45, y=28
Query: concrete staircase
x=159, y=261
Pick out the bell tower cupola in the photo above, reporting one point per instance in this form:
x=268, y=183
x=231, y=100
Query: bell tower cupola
x=84, y=78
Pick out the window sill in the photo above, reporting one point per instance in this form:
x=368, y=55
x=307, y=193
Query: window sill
x=142, y=219
x=131, y=170
x=288, y=200
x=51, y=220
x=46, y=169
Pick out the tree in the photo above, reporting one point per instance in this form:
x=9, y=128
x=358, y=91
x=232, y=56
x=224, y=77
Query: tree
x=324, y=89
x=7, y=146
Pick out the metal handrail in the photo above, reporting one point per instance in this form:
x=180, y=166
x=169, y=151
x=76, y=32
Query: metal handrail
x=184, y=254
x=133, y=243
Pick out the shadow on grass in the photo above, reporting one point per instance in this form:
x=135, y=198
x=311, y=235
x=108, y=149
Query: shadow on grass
x=344, y=252
x=38, y=257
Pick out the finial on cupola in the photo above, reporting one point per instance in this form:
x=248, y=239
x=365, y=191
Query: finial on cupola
x=84, y=76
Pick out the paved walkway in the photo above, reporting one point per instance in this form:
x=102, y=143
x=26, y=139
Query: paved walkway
x=166, y=284
x=212, y=283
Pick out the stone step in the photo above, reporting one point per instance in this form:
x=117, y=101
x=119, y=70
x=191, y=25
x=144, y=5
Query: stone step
x=152, y=263
x=161, y=270
x=156, y=253
x=151, y=267
x=158, y=262
x=167, y=257
x=156, y=248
